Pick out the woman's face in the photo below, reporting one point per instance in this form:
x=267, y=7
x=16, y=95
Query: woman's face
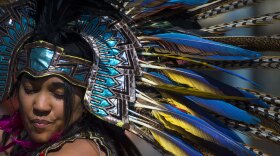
x=42, y=107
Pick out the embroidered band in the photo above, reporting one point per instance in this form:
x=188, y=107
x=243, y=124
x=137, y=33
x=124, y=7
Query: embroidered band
x=41, y=59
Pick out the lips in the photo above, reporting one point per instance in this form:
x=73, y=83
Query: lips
x=40, y=124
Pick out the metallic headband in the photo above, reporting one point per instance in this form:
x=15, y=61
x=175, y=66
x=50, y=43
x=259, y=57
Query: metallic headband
x=109, y=80
x=40, y=59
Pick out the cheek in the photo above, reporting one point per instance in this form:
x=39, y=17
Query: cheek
x=25, y=102
x=77, y=109
x=58, y=108
x=58, y=114
x=25, y=108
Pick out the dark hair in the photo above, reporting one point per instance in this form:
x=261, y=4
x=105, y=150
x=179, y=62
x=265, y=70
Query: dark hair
x=68, y=100
x=72, y=43
x=75, y=45
x=51, y=20
x=113, y=136
x=68, y=103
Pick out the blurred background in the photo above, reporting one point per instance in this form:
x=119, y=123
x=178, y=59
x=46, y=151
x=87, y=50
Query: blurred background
x=268, y=79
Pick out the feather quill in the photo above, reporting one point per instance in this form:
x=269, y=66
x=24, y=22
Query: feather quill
x=157, y=3
x=266, y=62
x=223, y=7
x=260, y=131
x=191, y=108
x=192, y=79
x=174, y=145
x=265, y=97
x=195, y=61
x=260, y=43
x=203, y=130
x=225, y=109
x=196, y=111
x=187, y=91
x=200, y=48
x=205, y=80
x=256, y=21
x=169, y=142
x=220, y=107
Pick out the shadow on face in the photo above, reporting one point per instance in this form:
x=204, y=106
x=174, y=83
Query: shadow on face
x=48, y=105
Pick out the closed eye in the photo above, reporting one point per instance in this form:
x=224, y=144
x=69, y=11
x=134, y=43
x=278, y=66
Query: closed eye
x=57, y=89
x=58, y=96
x=29, y=90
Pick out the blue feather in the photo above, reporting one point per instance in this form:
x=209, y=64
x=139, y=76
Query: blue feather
x=218, y=137
x=234, y=74
x=162, y=77
x=190, y=150
x=202, y=114
x=202, y=79
x=147, y=2
x=189, y=2
x=185, y=2
x=226, y=89
x=218, y=106
x=152, y=9
x=225, y=109
x=255, y=99
x=151, y=32
x=168, y=4
x=194, y=75
x=225, y=52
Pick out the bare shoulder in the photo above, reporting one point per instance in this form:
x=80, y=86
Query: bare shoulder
x=79, y=147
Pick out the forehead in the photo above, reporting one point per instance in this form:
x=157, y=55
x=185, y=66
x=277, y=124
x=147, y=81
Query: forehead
x=40, y=81
x=52, y=81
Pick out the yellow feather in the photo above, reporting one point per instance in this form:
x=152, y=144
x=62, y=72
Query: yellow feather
x=153, y=78
x=180, y=123
x=158, y=84
x=177, y=104
x=168, y=145
x=187, y=91
x=191, y=91
x=178, y=57
x=160, y=118
x=183, y=133
x=171, y=126
x=182, y=79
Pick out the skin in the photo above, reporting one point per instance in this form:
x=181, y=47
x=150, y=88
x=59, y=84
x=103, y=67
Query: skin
x=42, y=107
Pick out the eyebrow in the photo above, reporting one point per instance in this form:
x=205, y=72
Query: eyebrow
x=54, y=85
x=57, y=85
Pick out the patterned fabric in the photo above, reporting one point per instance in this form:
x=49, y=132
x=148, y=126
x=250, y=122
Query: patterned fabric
x=94, y=137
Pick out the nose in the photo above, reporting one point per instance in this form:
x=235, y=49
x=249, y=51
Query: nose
x=42, y=104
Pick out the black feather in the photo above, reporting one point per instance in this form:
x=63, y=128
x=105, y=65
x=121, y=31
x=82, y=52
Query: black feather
x=53, y=15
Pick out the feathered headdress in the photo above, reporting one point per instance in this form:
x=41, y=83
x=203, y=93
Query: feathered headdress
x=142, y=76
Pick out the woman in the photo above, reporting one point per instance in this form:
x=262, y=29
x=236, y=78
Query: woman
x=43, y=114
x=51, y=107
x=71, y=72
x=52, y=69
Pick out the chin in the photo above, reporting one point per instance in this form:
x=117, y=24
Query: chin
x=40, y=138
